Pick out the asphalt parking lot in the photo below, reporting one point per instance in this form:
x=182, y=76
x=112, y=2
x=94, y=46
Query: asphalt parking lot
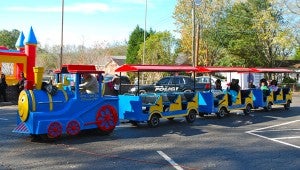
x=262, y=140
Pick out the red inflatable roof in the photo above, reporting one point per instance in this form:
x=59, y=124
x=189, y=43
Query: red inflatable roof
x=155, y=68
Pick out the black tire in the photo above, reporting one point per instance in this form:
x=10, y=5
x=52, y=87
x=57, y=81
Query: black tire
x=222, y=112
x=187, y=91
x=247, y=110
x=191, y=117
x=154, y=121
x=142, y=92
x=268, y=107
x=287, y=106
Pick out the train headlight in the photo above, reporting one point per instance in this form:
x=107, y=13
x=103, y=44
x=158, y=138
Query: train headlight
x=23, y=106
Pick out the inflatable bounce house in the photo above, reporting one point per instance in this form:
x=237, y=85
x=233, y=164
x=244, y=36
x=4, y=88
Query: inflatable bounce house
x=13, y=62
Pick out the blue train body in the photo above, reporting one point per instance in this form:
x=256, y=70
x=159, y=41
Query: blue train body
x=266, y=98
x=151, y=107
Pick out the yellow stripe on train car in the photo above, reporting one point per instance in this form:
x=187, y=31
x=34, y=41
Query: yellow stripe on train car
x=66, y=96
x=33, y=100
x=50, y=102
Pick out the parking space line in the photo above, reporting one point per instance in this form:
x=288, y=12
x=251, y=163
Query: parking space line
x=3, y=118
x=167, y=158
x=274, y=126
x=279, y=130
x=292, y=137
x=253, y=132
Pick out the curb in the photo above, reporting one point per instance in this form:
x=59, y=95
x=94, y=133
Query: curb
x=6, y=104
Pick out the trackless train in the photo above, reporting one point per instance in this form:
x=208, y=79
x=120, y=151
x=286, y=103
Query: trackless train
x=66, y=108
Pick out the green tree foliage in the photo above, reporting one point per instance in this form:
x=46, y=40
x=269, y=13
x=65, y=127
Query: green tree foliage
x=136, y=38
x=251, y=31
x=255, y=32
x=9, y=38
x=160, y=49
x=297, y=55
x=207, y=13
x=235, y=34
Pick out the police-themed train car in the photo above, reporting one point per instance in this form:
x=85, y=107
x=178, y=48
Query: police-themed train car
x=67, y=107
x=151, y=107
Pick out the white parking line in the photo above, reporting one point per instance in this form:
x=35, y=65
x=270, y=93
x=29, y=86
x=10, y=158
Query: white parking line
x=291, y=137
x=274, y=126
x=3, y=118
x=167, y=158
x=253, y=132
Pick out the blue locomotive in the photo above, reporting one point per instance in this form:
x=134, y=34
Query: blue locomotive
x=65, y=108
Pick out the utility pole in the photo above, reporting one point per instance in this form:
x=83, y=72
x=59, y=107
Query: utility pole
x=62, y=34
x=197, y=44
x=144, y=48
x=193, y=33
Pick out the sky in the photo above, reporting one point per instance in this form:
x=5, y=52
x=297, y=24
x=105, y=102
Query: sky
x=86, y=22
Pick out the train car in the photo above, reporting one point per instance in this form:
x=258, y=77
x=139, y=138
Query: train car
x=221, y=102
x=267, y=98
x=65, y=108
x=151, y=107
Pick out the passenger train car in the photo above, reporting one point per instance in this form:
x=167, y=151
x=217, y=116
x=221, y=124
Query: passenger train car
x=267, y=98
x=222, y=101
x=151, y=107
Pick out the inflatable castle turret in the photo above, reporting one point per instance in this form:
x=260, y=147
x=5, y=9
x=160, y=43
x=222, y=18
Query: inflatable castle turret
x=30, y=51
x=22, y=60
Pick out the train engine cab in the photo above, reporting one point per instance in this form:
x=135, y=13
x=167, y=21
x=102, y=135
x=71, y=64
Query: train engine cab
x=72, y=104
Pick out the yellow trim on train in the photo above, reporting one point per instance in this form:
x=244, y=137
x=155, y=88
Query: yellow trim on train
x=33, y=101
x=50, y=102
x=65, y=94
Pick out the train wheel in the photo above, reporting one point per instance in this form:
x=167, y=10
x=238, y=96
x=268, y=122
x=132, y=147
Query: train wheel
x=154, y=120
x=73, y=128
x=268, y=107
x=107, y=118
x=191, y=117
x=248, y=109
x=54, y=130
x=287, y=105
x=222, y=112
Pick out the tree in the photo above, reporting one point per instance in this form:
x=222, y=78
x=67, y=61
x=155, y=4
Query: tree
x=207, y=13
x=297, y=55
x=160, y=49
x=136, y=38
x=255, y=32
x=9, y=38
x=235, y=34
